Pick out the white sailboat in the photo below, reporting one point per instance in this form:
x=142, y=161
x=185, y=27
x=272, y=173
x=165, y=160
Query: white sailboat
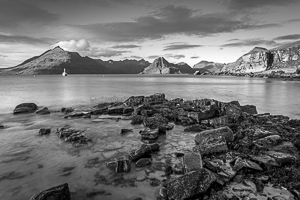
x=64, y=73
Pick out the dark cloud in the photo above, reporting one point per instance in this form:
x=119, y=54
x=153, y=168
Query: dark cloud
x=239, y=5
x=130, y=46
x=15, y=13
x=178, y=56
x=288, y=37
x=24, y=39
x=194, y=57
x=153, y=57
x=251, y=42
x=169, y=20
x=180, y=46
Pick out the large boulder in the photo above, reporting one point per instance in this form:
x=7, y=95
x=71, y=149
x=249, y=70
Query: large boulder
x=25, y=108
x=60, y=192
x=191, y=184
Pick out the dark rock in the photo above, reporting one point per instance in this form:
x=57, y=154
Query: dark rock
x=267, y=142
x=67, y=110
x=128, y=111
x=99, y=111
x=115, y=110
x=212, y=145
x=143, y=162
x=78, y=114
x=43, y=111
x=155, y=121
x=122, y=164
x=161, y=193
x=143, y=150
x=243, y=163
x=195, y=128
x=264, y=159
x=208, y=112
x=25, y=108
x=222, y=168
x=154, y=182
x=72, y=135
x=192, y=162
x=1, y=126
x=250, y=109
x=137, y=119
x=134, y=101
x=163, y=128
x=149, y=134
x=281, y=157
x=124, y=131
x=224, y=132
x=45, y=131
x=221, y=121
x=190, y=184
x=60, y=192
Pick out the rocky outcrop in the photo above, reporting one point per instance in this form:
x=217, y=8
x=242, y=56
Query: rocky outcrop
x=54, y=61
x=161, y=66
x=184, y=68
x=206, y=66
x=25, y=108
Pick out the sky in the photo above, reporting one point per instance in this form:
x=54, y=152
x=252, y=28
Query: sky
x=179, y=30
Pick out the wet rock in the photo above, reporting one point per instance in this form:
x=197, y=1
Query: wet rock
x=250, y=109
x=221, y=121
x=45, y=131
x=223, y=169
x=264, y=159
x=115, y=110
x=60, y=192
x=128, y=111
x=154, y=182
x=244, y=163
x=122, y=164
x=267, y=142
x=149, y=134
x=143, y=150
x=134, y=101
x=143, y=162
x=212, y=145
x=124, y=131
x=281, y=158
x=208, y=112
x=164, y=128
x=190, y=184
x=195, y=128
x=72, y=135
x=137, y=119
x=224, y=132
x=78, y=114
x=43, y=111
x=155, y=121
x=67, y=110
x=25, y=108
x=192, y=162
x=99, y=111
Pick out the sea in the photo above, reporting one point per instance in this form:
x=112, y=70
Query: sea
x=30, y=163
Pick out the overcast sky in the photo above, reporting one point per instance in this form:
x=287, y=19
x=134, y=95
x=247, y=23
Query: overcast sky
x=180, y=30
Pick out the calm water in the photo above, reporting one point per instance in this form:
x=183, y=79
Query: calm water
x=29, y=163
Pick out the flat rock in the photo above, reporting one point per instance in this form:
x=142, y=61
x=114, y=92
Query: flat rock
x=149, y=134
x=25, y=108
x=224, y=132
x=192, y=162
x=267, y=142
x=212, y=145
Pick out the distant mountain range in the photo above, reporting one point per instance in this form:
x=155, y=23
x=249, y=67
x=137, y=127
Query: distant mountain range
x=55, y=60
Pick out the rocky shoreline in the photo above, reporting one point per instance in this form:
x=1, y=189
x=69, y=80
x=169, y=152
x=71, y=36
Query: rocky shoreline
x=236, y=153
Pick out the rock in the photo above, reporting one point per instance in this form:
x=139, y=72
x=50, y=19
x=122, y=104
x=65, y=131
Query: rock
x=267, y=142
x=161, y=193
x=192, y=162
x=250, y=109
x=143, y=150
x=243, y=163
x=134, y=101
x=99, y=111
x=25, y=108
x=143, y=162
x=78, y=114
x=67, y=110
x=45, y=131
x=115, y=110
x=264, y=159
x=224, y=132
x=190, y=184
x=221, y=121
x=128, y=111
x=281, y=158
x=137, y=119
x=122, y=164
x=124, y=131
x=1, y=126
x=155, y=121
x=72, y=135
x=162, y=129
x=154, y=182
x=212, y=145
x=149, y=134
x=43, y=111
x=60, y=192
x=222, y=168
x=208, y=112
x=195, y=128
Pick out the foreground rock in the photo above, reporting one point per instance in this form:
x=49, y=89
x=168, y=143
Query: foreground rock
x=25, y=108
x=60, y=192
x=122, y=164
x=45, y=131
x=77, y=137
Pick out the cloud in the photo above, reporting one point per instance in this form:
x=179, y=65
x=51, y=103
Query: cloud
x=178, y=56
x=239, y=5
x=180, y=46
x=153, y=57
x=251, y=42
x=9, y=38
x=194, y=57
x=288, y=37
x=105, y=53
x=73, y=45
x=130, y=46
x=169, y=20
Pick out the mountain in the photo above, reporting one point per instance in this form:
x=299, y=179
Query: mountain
x=162, y=66
x=54, y=61
x=206, y=66
x=285, y=58
x=125, y=66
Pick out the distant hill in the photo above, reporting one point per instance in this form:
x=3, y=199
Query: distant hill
x=206, y=66
x=284, y=57
x=161, y=66
x=125, y=66
x=54, y=61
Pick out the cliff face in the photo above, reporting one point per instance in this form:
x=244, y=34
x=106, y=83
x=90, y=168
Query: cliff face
x=161, y=66
x=286, y=58
x=206, y=66
x=125, y=66
x=54, y=61
x=184, y=68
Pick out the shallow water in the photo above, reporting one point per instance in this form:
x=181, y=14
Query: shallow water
x=29, y=163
